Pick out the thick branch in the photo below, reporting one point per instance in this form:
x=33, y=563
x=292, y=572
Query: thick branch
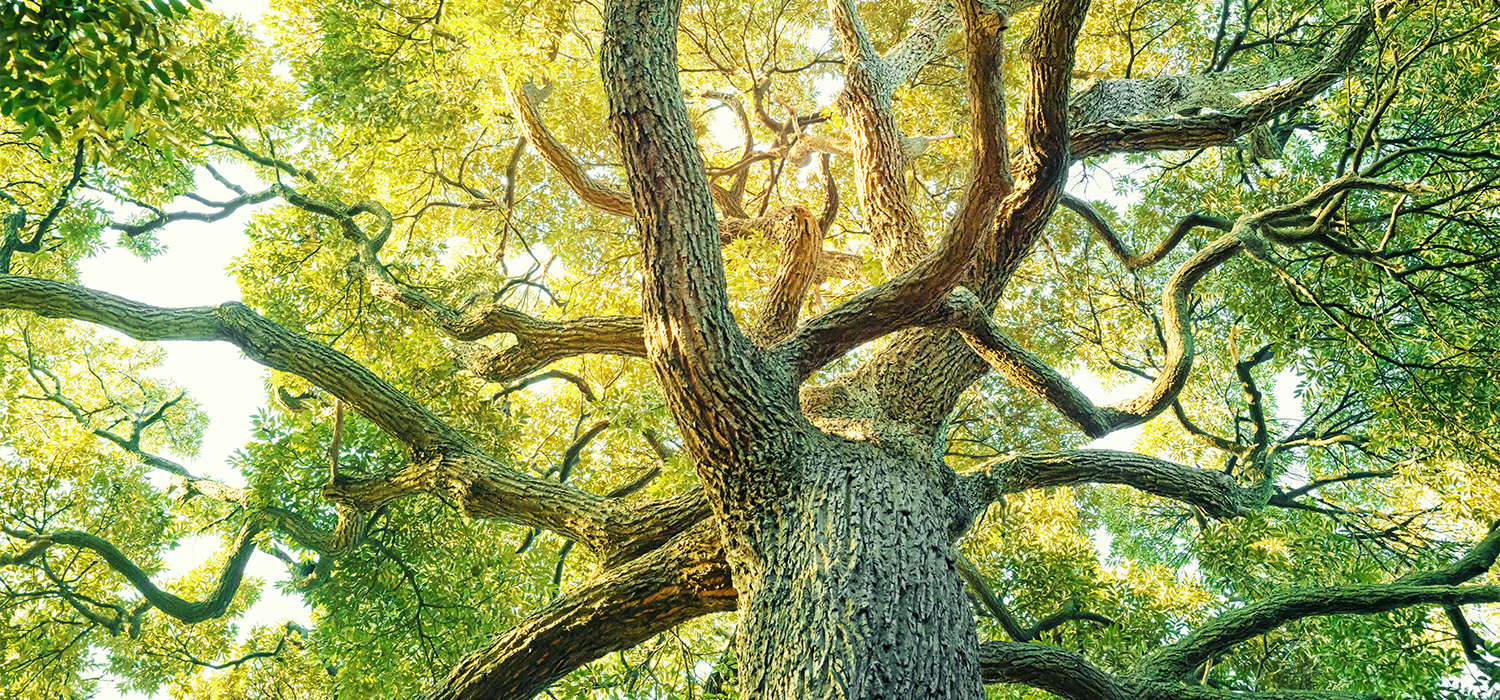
x=1067, y=674
x=1061, y=672
x=522, y=99
x=719, y=394
x=800, y=242
x=1221, y=128
x=1212, y=490
x=989, y=177
x=1164, y=96
x=923, y=42
x=684, y=579
x=876, y=145
x=443, y=460
x=1040, y=168
x=540, y=342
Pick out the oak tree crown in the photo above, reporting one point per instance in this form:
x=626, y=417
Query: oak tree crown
x=651, y=349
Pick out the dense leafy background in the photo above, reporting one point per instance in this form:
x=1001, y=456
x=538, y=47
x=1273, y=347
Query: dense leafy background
x=399, y=102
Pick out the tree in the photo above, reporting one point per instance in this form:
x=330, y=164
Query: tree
x=808, y=405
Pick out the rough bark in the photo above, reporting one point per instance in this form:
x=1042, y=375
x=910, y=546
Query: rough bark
x=834, y=543
x=442, y=460
x=624, y=606
x=856, y=595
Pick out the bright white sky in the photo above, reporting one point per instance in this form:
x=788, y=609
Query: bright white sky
x=230, y=388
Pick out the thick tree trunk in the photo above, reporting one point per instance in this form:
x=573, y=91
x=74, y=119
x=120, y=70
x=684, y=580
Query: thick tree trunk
x=855, y=594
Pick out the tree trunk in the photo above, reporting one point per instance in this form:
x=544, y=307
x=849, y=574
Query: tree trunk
x=855, y=593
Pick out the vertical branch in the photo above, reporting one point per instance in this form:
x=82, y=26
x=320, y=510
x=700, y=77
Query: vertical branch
x=713, y=387
x=1040, y=169
x=333, y=445
x=800, y=240
x=989, y=175
x=876, y=144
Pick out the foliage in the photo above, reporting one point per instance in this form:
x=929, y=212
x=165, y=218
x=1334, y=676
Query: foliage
x=1383, y=363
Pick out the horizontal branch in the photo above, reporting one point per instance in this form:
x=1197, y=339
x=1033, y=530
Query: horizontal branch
x=1166, y=95
x=1212, y=490
x=1235, y=626
x=221, y=211
x=261, y=340
x=1067, y=674
x=540, y=343
x=442, y=459
x=1222, y=128
x=1116, y=244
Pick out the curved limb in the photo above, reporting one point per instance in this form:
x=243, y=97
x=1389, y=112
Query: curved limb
x=1030, y=373
x=523, y=99
x=187, y=611
x=1260, y=617
x=1116, y=244
x=1158, y=675
x=1417, y=588
x=801, y=247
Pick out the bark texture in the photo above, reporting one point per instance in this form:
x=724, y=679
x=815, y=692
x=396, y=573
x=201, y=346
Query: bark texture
x=826, y=514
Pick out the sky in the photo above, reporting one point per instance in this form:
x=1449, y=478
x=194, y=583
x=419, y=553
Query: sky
x=193, y=271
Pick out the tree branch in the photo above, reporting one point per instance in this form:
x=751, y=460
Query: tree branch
x=1116, y=244
x=575, y=380
x=442, y=459
x=684, y=579
x=1224, y=127
x=1166, y=95
x=800, y=250
x=1067, y=674
x=1212, y=490
x=188, y=612
x=10, y=229
x=523, y=99
x=876, y=145
x=721, y=396
x=1235, y=626
x=222, y=210
x=1030, y=373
